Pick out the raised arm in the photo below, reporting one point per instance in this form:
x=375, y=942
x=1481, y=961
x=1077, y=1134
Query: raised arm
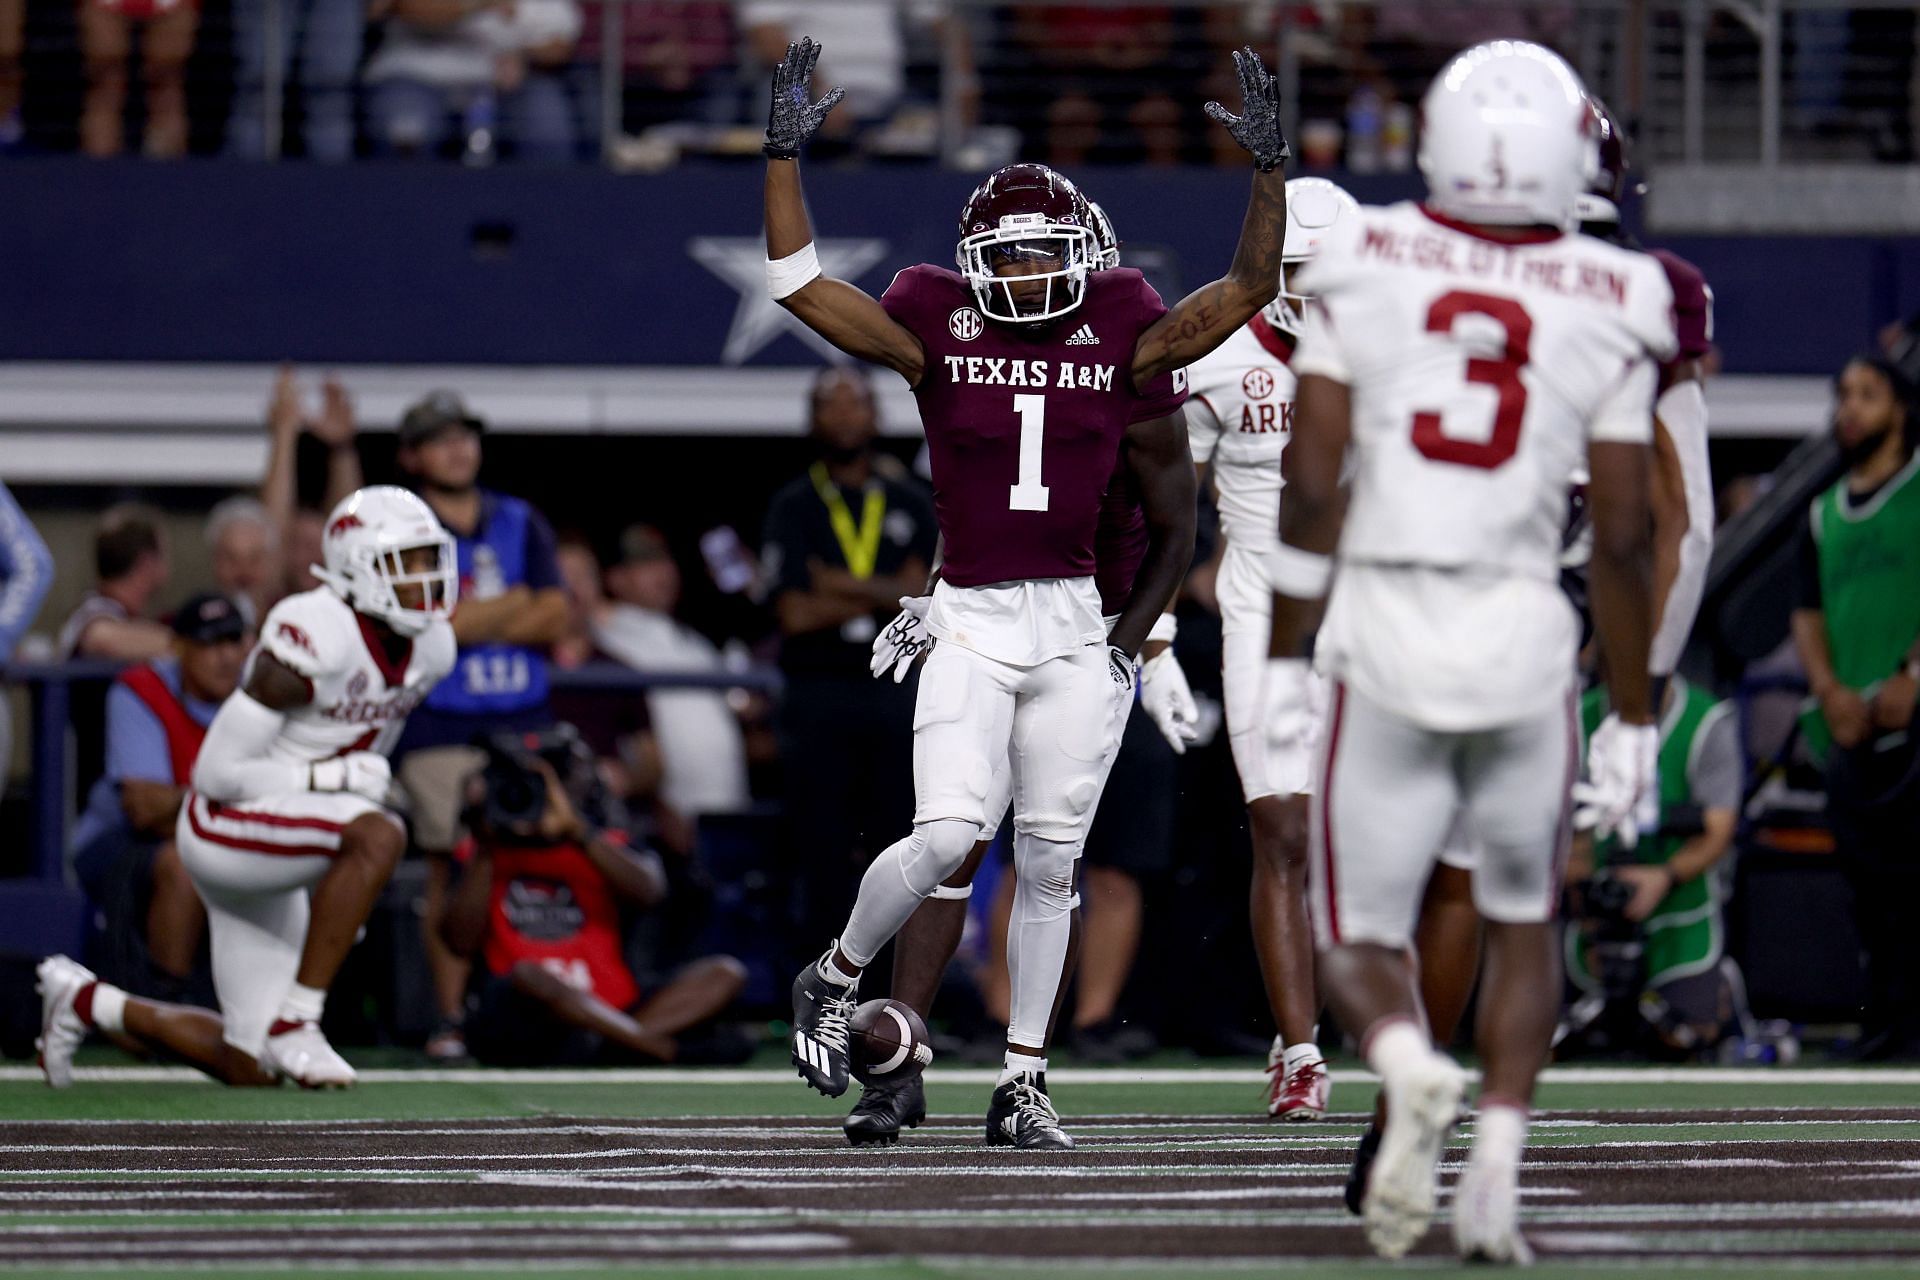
x=1204, y=318
x=1162, y=467
x=834, y=309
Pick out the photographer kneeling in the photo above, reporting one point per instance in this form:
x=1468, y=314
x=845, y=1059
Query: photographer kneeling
x=1647, y=929
x=538, y=906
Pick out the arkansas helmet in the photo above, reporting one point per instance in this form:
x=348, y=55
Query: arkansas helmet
x=1104, y=236
x=1601, y=200
x=1314, y=207
x=1026, y=226
x=1506, y=137
x=373, y=546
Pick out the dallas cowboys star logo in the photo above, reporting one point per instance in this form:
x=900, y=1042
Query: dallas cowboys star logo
x=742, y=262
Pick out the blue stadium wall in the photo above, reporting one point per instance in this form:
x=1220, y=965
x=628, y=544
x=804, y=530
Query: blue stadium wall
x=417, y=264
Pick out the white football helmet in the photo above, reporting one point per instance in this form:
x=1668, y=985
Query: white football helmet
x=365, y=546
x=1506, y=137
x=1314, y=207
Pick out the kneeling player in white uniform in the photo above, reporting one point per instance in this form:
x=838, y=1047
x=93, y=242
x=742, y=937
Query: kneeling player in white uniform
x=1239, y=418
x=1463, y=355
x=285, y=831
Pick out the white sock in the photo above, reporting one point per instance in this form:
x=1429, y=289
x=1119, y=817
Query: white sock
x=109, y=1007
x=302, y=1004
x=1277, y=1052
x=831, y=971
x=1297, y=1055
x=1022, y=1064
x=1395, y=1044
x=1499, y=1132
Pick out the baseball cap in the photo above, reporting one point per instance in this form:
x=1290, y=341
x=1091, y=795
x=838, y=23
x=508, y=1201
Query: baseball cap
x=433, y=412
x=209, y=618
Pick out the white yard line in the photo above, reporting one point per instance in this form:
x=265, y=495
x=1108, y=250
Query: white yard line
x=1903, y=1076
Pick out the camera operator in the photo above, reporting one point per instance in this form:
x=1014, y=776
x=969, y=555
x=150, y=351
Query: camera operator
x=539, y=909
x=1665, y=896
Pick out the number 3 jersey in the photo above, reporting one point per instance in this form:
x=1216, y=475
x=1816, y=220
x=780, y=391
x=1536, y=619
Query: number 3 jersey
x=1024, y=426
x=361, y=697
x=1478, y=369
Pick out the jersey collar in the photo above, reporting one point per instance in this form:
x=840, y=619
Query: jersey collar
x=394, y=673
x=1278, y=343
x=1522, y=235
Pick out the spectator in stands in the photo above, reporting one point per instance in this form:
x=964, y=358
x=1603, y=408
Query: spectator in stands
x=300, y=527
x=1858, y=631
x=130, y=563
x=703, y=752
x=493, y=68
x=539, y=906
x=26, y=571
x=245, y=549
x=157, y=713
x=511, y=608
x=614, y=726
x=1677, y=877
x=844, y=543
x=13, y=31
x=166, y=39
x=329, y=35
x=677, y=56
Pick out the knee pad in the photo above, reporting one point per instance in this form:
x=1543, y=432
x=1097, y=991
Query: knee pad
x=1043, y=872
x=935, y=851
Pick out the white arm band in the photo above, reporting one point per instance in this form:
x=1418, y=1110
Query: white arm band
x=792, y=273
x=1164, y=628
x=233, y=762
x=1304, y=575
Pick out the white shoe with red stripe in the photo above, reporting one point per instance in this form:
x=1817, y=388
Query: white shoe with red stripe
x=1299, y=1094
x=298, y=1051
x=59, y=981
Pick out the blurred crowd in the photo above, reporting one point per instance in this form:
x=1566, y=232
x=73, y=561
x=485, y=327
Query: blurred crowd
x=734, y=813
x=1065, y=83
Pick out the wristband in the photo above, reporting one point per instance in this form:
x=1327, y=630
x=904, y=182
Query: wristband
x=787, y=276
x=1304, y=575
x=1164, y=629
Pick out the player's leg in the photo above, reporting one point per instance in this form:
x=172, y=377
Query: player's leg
x=295, y=877
x=176, y=918
x=962, y=719
x=74, y=1002
x=1516, y=782
x=1067, y=726
x=1272, y=733
x=1370, y=861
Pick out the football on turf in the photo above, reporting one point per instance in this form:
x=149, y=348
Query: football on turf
x=887, y=1041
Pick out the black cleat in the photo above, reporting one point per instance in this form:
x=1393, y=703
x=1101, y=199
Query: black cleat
x=1021, y=1115
x=1356, y=1192
x=884, y=1110
x=821, y=1008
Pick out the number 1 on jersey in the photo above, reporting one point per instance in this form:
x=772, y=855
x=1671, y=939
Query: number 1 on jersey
x=1029, y=494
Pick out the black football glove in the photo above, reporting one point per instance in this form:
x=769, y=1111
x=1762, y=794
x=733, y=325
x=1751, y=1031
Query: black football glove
x=794, y=116
x=1259, y=129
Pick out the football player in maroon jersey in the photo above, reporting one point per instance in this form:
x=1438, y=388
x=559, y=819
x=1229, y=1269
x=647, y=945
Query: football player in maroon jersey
x=1031, y=367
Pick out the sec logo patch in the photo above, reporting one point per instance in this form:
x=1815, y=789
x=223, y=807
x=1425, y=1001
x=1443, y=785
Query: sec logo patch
x=1258, y=384
x=966, y=324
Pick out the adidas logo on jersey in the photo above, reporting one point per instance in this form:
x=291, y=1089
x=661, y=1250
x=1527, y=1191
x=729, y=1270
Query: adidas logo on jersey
x=1083, y=337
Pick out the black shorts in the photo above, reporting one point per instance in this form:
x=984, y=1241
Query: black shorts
x=1133, y=830
x=506, y=1027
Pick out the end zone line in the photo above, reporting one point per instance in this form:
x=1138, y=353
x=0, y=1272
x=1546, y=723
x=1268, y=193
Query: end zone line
x=987, y=1075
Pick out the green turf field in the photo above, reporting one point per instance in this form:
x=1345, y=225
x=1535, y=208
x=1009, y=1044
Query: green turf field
x=745, y=1173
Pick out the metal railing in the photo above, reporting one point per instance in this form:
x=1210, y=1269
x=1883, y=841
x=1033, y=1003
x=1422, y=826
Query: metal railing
x=51, y=686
